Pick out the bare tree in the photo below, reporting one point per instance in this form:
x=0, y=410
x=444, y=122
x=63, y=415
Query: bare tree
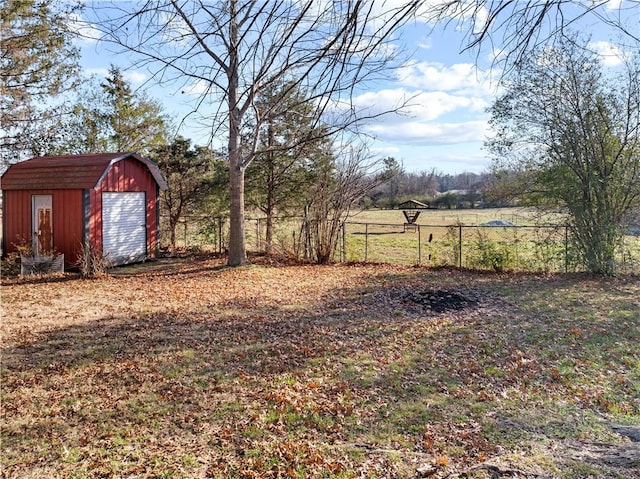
x=515, y=28
x=231, y=51
x=346, y=175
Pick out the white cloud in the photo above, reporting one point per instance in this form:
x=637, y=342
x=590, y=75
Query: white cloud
x=445, y=108
x=435, y=76
x=610, y=54
x=425, y=44
x=416, y=105
x=135, y=78
x=614, y=4
x=381, y=151
x=429, y=106
x=197, y=88
x=417, y=133
x=86, y=32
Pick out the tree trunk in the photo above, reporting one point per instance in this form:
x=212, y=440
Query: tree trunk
x=237, y=249
x=270, y=197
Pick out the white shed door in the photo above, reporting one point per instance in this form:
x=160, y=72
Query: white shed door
x=124, y=227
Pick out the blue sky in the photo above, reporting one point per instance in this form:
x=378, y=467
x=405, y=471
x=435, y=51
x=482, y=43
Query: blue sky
x=444, y=126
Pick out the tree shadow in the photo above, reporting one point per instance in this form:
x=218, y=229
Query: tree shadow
x=410, y=370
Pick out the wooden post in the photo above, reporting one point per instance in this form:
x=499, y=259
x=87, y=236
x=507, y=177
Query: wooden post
x=344, y=242
x=460, y=246
x=258, y=234
x=419, y=246
x=185, y=232
x=366, y=241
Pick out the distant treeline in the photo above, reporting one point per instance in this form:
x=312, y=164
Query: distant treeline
x=438, y=190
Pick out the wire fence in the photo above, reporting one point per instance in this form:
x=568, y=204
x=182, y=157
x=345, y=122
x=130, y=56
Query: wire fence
x=523, y=248
x=212, y=233
x=529, y=248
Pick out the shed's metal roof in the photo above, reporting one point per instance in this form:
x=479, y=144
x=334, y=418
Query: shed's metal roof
x=69, y=171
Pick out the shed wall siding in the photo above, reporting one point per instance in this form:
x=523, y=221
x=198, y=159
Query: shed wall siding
x=67, y=220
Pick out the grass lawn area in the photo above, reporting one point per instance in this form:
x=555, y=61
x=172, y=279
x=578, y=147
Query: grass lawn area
x=186, y=368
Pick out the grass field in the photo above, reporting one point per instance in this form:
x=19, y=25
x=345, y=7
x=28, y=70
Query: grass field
x=185, y=368
x=460, y=238
x=521, y=216
x=443, y=217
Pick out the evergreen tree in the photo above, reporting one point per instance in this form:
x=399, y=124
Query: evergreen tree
x=39, y=63
x=192, y=174
x=283, y=168
x=136, y=122
x=111, y=117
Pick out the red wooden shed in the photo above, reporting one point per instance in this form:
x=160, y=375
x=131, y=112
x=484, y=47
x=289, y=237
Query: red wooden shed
x=59, y=203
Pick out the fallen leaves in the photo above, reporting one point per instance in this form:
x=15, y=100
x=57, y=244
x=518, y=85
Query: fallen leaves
x=202, y=370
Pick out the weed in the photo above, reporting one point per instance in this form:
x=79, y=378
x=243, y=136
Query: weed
x=91, y=261
x=488, y=254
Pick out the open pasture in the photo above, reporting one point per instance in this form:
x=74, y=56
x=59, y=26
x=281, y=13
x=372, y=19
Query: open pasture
x=488, y=239
x=444, y=217
x=443, y=238
x=457, y=238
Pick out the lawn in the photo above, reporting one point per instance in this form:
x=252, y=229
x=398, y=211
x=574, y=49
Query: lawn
x=186, y=368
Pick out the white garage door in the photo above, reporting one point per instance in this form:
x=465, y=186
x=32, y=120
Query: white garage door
x=124, y=229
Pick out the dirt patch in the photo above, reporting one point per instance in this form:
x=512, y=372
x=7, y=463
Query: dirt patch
x=442, y=300
x=623, y=455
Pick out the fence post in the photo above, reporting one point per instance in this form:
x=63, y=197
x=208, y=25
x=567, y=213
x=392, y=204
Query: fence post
x=566, y=248
x=419, y=247
x=460, y=246
x=366, y=242
x=185, y=232
x=344, y=242
x=258, y=234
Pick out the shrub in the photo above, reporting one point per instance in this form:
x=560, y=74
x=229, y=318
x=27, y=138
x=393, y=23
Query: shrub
x=91, y=262
x=491, y=255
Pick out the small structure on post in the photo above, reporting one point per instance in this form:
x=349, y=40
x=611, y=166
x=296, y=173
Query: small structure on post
x=411, y=210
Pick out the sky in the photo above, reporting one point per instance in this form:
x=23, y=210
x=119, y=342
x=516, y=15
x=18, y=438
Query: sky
x=445, y=124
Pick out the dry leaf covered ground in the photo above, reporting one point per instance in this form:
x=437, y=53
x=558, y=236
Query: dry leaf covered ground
x=189, y=369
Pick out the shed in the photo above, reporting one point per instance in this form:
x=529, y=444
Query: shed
x=59, y=203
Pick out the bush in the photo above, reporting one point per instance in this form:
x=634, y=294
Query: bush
x=491, y=255
x=11, y=263
x=91, y=262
